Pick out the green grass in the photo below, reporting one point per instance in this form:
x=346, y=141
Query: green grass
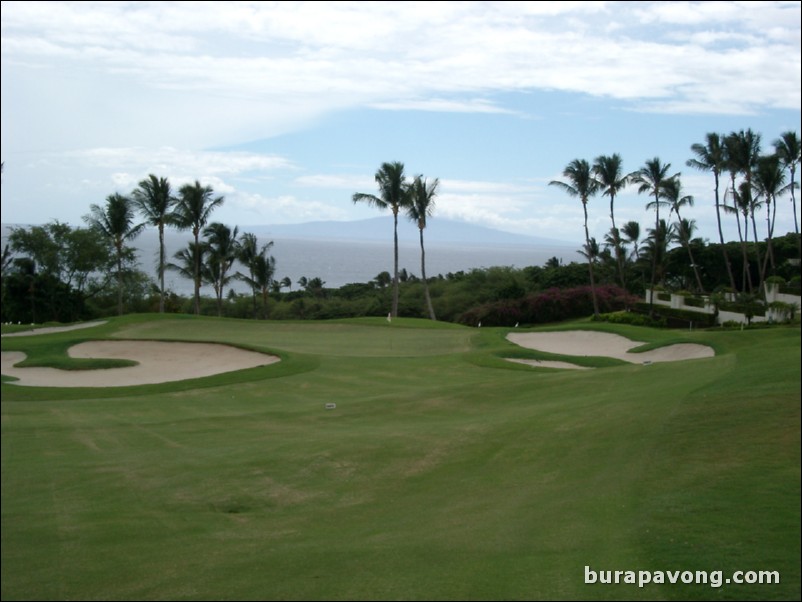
x=444, y=472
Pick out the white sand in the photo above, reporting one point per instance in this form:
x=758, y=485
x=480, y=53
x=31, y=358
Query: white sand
x=158, y=362
x=586, y=343
x=547, y=364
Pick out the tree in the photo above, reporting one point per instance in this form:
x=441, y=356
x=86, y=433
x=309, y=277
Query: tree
x=711, y=157
x=631, y=231
x=189, y=258
x=115, y=222
x=742, y=152
x=154, y=199
x=223, y=252
x=195, y=205
x=62, y=263
x=422, y=206
x=261, y=269
x=581, y=184
x=610, y=179
x=393, y=195
x=650, y=179
x=657, y=247
x=672, y=192
x=769, y=182
x=249, y=254
x=742, y=203
x=787, y=147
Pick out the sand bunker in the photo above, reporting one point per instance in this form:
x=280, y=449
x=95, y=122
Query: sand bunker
x=548, y=364
x=586, y=343
x=158, y=362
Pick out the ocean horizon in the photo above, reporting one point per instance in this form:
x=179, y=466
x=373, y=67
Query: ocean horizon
x=338, y=262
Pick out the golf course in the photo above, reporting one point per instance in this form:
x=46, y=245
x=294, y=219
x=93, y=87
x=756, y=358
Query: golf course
x=368, y=459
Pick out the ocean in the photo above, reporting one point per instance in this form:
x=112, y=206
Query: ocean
x=340, y=262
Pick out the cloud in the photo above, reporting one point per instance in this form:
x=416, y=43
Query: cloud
x=171, y=162
x=325, y=56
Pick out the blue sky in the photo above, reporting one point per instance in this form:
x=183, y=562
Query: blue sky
x=289, y=108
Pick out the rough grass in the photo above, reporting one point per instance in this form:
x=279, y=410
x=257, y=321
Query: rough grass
x=443, y=473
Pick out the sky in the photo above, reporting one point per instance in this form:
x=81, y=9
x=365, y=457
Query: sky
x=289, y=108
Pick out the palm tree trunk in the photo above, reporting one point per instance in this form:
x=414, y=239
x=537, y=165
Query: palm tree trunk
x=686, y=242
x=423, y=274
x=119, y=281
x=394, y=311
x=161, y=267
x=655, y=250
x=197, y=273
x=619, y=254
x=769, y=258
x=746, y=274
x=761, y=274
x=590, y=262
x=721, y=239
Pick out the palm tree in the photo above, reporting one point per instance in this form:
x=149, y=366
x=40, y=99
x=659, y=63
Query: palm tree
x=262, y=268
x=223, y=252
x=787, y=147
x=683, y=230
x=248, y=255
x=742, y=153
x=608, y=173
x=742, y=201
x=155, y=200
x=711, y=157
x=657, y=247
x=195, y=205
x=188, y=257
x=631, y=230
x=581, y=184
x=115, y=222
x=393, y=195
x=421, y=207
x=769, y=183
x=650, y=179
x=672, y=192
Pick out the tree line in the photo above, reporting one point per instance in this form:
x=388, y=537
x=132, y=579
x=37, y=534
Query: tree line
x=56, y=272
x=756, y=181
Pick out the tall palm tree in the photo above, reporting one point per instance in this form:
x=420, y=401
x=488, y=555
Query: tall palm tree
x=393, y=195
x=249, y=253
x=743, y=151
x=223, y=252
x=631, y=232
x=194, y=207
x=657, y=246
x=154, y=199
x=787, y=147
x=420, y=208
x=742, y=201
x=608, y=171
x=581, y=184
x=769, y=182
x=672, y=192
x=188, y=257
x=262, y=268
x=650, y=179
x=711, y=157
x=115, y=222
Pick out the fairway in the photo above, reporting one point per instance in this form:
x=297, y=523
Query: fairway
x=444, y=472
